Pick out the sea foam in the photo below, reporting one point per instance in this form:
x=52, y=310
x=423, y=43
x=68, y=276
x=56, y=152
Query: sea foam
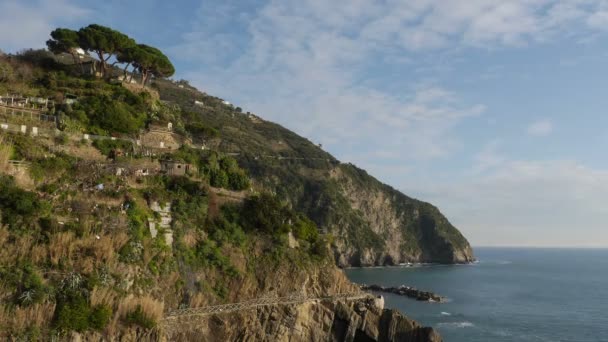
x=456, y=324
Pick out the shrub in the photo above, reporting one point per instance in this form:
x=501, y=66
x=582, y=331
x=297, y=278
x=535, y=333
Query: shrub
x=265, y=213
x=121, y=111
x=62, y=139
x=305, y=229
x=139, y=317
x=29, y=287
x=106, y=146
x=224, y=172
x=45, y=168
x=100, y=316
x=201, y=130
x=19, y=207
x=72, y=314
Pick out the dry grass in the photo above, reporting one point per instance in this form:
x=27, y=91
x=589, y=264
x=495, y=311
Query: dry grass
x=4, y=234
x=119, y=240
x=5, y=155
x=21, y=174
x=86, y=253
x=16, y=251
x=38, y=254
x=151, y=307
x=103, y=296
x=199, y=300
x=14, y=322
x=61, y=246
x=191, y=238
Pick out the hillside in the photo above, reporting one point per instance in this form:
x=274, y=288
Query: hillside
x=121, y=205
x=373, y=224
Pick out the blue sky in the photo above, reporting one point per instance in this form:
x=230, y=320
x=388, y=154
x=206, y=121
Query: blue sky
x=495, y=111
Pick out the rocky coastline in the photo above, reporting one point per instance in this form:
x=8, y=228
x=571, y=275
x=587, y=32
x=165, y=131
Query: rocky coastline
x=406, y=291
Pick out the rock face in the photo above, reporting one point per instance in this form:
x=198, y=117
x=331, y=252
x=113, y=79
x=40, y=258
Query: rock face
x=340, y=321
x=399, y=229
x=362, y=319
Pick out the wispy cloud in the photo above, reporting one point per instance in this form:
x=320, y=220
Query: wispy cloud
x=313, y=60
x=523, y=202
x=27, y=24
x=540, y=128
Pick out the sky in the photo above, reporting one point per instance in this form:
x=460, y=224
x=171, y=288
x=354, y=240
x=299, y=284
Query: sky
x=493, y=110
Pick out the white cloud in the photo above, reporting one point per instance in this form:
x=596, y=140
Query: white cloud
x=310, y=57
x=28, y=24
x=313, y=59
x=540, y=128
x=552, y=203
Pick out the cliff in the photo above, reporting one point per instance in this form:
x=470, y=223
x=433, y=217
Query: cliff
x=362, y=319
x=373, y=224
x=340, y=321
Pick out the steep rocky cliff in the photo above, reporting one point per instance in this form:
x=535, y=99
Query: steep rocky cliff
x=373, y=224
x=409, y=230
x=357, y=321
x=362, y=319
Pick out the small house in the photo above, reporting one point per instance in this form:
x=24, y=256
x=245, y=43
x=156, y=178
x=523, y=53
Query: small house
x=176, y=168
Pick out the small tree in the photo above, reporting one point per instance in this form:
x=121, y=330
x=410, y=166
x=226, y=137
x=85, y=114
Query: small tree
x=64, y=40
x=105, y=42
x=129, y=56
x=151, y=61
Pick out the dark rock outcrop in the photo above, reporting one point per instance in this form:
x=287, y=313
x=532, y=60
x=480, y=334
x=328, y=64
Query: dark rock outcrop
x=406, y=291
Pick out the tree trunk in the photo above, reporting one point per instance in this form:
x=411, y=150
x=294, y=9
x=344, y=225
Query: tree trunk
x=132, y=73
x=144, y=77
x=77, y=61
x=124, y=72
x=102, y=64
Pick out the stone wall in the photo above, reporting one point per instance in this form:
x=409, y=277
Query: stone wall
x=160, y=139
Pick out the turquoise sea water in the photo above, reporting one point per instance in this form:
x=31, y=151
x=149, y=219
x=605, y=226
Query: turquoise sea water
x=512, y=294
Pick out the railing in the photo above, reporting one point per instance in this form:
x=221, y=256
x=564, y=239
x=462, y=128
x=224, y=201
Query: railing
x=258, y=302
x=27, y=113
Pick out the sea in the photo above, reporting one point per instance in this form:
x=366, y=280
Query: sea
x=510, y=294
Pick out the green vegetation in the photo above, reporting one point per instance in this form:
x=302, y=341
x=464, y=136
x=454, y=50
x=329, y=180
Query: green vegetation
x=202, y=131
x=106, y=43
x=119, y=112
x=64, y=40
x=107, y=146
x=19, y=209
x=46, y=169
x=28, y=284
x=265, y=213
x=75, y=314
x=140, y=318
x=224, y=172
